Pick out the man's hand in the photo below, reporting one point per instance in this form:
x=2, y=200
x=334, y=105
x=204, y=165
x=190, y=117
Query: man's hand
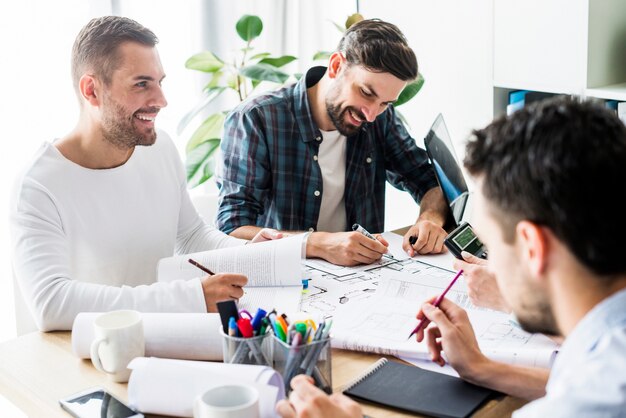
x=429, y=238
x=453, y=334
x=346, y=248
x=307, y=401
x=482, y=286
x=266, y=234
x=224, y=286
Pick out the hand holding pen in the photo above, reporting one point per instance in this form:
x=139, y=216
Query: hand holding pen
x=219, y=287
x=425, y=237
x=424, y=321
x=365, y=232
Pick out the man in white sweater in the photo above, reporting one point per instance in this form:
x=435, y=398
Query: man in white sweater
x=96, y=209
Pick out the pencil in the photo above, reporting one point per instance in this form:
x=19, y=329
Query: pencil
x=424, y=321
x=201, y=267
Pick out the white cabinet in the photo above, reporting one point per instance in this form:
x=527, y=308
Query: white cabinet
x=575, y=47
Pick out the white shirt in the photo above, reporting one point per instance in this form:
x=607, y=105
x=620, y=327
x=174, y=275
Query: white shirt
x=332, y=160
x=89, y=240
x=588, y=378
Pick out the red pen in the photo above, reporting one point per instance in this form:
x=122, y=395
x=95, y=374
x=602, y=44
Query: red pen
x=424, y=321
x=245, y=327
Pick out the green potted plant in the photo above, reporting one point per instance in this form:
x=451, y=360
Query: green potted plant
x=242, y=76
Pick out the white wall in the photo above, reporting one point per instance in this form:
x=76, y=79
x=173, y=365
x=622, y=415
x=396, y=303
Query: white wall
x=452, y=40
x=453, y=43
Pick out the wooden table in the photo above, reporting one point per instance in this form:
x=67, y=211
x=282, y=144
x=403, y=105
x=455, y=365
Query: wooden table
x=38, y=369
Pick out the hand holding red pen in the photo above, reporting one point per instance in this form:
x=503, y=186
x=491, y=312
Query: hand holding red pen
x=452, y=334
x=424, y=321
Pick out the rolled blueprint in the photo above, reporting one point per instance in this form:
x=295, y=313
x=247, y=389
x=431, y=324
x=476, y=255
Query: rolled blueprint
x=187, y=336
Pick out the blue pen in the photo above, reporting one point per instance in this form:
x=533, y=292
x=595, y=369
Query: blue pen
x=232, y=327
x=256, y=321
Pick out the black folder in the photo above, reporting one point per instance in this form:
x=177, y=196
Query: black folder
x=412, y=389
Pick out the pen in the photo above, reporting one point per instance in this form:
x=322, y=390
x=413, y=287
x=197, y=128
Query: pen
x=232, y=327
x=359, y=228
x=291, y=364
x=424, y=321
x=201, y=267
x=244, y=327
x=256, y=321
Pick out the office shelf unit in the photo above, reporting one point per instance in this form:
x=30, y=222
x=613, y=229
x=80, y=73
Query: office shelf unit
x=573, y=47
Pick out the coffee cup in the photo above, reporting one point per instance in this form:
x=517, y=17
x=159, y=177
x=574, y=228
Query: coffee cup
x=118, y=339
x=228, y=401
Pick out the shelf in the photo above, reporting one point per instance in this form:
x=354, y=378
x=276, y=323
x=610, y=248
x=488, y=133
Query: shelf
x=612, y=92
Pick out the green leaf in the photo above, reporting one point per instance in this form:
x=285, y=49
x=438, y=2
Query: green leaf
x=409, y=91
x=260, y=55
x=297, y=76
x=319, y=55
x=204, y=61
x=212, y=94
x=231, y=81
x=264, y=72
x=214, y=82
x=210, y=128
x=278, y=62
x=255, y=83
x=249, y=27
x=199, y=157
x=204, y=173
x=352, y=19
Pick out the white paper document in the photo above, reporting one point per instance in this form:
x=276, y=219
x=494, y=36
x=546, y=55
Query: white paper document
x=382, y=323
x=274, y=270
x=169, y=387
x=190, y=336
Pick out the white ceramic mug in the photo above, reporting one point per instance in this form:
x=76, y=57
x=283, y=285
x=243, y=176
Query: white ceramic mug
x=118, y=339
x=228, y=401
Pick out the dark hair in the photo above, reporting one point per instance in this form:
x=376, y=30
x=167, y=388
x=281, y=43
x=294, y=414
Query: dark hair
x=560, y=163
x=380, y=47
x=95, y=47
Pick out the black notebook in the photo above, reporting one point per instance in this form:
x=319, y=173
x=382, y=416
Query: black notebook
x=416, y=390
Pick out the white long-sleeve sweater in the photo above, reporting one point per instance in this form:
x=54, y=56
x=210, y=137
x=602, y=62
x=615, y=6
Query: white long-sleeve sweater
x=89, y=240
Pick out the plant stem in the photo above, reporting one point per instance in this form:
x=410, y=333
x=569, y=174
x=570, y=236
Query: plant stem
x=237, y=79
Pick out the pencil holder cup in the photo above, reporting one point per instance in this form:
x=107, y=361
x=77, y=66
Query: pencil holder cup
x=312, y=359
x=254, y=350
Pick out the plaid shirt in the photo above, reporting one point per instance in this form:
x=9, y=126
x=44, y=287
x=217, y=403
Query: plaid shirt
x=270, y=176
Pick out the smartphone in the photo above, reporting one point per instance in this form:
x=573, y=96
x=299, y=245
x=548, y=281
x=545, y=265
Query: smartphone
x=463, y=238
x=97, y=403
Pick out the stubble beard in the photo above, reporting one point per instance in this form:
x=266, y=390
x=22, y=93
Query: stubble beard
x=119, y=129
x=538, y=318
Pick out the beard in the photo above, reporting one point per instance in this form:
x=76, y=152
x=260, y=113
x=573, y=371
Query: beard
x=119, y=129
x=338, y=116
x=538, y=318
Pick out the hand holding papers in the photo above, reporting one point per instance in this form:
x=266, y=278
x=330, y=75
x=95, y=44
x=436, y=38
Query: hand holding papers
x=273, y=269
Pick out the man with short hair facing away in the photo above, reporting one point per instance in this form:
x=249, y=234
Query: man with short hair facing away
x=546, y=211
